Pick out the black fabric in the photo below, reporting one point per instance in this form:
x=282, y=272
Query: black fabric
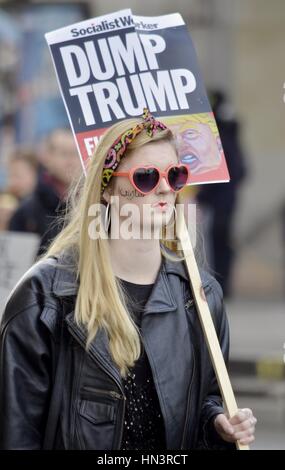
x=143, y=424
x=57, y=393
x=92, y=411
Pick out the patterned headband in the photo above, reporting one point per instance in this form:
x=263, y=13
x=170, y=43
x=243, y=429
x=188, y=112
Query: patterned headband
x=119, y=147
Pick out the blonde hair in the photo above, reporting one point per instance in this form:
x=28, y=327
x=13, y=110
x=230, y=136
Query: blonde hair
x=100, y=300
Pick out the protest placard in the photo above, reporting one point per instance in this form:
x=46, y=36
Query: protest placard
x=109, y=68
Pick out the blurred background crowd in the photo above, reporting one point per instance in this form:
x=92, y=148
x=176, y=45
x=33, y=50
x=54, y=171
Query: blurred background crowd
x=240, y=50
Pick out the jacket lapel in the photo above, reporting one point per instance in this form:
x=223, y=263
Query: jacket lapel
x=161, y=298
x=98, y=349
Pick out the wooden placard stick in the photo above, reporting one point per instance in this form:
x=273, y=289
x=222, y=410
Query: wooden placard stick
x=206, y=321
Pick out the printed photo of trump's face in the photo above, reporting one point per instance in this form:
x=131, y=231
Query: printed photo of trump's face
x=199, y=144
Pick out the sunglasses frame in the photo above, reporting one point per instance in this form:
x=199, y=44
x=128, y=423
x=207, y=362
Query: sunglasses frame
x=162, y=174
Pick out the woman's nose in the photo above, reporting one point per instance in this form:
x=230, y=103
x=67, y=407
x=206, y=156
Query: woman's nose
x=163, y=186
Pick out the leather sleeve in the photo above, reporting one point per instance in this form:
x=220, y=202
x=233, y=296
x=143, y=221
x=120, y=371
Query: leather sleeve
x=25, y=371
x=212, y=404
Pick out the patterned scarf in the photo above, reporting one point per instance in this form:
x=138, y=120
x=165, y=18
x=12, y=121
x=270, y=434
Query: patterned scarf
x=119, y=147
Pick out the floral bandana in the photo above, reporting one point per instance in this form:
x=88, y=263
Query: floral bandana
x=119, y=147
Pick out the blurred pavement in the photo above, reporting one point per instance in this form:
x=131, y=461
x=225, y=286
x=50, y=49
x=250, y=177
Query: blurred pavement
x=257, y=367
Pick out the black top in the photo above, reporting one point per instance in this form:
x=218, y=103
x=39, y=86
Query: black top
x=143, y=426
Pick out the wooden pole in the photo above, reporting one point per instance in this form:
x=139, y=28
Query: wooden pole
x=206, y=321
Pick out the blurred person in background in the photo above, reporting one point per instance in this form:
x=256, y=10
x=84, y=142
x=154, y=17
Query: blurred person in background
x=7, y=145
x=8, y=205
x=22, y=173
x=39, y=213
x=219, y=201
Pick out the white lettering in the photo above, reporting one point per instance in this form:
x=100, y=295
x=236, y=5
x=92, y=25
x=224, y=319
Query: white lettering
x=94, y=62
x=127, y=55
x=184, y=82
x=90, y=144
x=72, y=56
x=107, y=94
x=158, y=91
x=125, y=94
x=153, y=45
x=81, y=93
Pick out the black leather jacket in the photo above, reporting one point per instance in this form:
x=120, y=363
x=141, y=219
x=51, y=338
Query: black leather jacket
x=91, y=413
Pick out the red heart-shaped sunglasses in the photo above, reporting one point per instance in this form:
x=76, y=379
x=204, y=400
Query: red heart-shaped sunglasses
x=145, y=179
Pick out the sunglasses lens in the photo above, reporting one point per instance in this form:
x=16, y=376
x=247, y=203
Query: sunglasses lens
x=146, y=179
x=177, y=177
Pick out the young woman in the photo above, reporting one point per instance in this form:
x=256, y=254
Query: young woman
x=101, y=346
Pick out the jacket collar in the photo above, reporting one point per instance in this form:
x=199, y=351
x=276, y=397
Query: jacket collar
x=65, y=282
x=161, y=298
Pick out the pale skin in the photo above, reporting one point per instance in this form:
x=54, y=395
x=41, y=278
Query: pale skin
x=142, y=258
x=240, y=427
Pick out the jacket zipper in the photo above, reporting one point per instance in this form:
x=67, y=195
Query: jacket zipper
x=80, y=338
x=189, y=399
x=189, y=303
x=100, y=391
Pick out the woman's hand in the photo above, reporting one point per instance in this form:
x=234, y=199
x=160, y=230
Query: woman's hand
x=240, y=427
